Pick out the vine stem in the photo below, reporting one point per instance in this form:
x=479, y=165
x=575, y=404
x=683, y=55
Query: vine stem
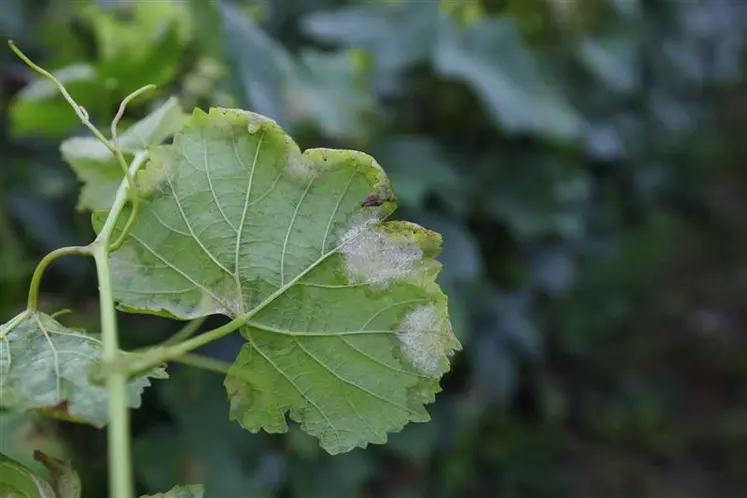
x=120, y=460
x=119, y=447
x=118, y=430
x=33, y=300
x=134, y=197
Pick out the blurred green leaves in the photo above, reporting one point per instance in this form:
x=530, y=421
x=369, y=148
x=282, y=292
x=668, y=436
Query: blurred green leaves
x=17, y=481
x=490, y=56
x=261, y=65
x=146, y=46
x=546, y=141
x=99, y=170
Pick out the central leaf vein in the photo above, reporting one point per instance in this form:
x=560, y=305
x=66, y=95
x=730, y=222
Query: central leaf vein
x=248, y=194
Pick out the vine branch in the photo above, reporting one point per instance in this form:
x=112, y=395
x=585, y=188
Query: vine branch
x=118, y=430
x=134, y=198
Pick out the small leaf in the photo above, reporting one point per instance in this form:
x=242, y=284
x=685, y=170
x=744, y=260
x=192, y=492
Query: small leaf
x=348, y=332
x=492, y=58
x=65, y=480
x=48, y=367
x=99, y=169
x=192, y=491
x=398, y=34
x=16, y=481
x=330, y=90
x=262, y=64
x=139, y=42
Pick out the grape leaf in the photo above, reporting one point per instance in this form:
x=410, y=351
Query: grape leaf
x=65, y=480
x=17, y=481
x=48, y=367
x=99, y=169
x=192, y=491
x=346, y=328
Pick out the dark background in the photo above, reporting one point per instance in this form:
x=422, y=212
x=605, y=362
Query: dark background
x=584, y=160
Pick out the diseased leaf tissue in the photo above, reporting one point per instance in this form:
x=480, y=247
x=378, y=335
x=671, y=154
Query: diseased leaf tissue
x=347, y=330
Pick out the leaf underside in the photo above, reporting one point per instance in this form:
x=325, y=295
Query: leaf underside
x=18, y=481
x=346, y=329
x=48, y=367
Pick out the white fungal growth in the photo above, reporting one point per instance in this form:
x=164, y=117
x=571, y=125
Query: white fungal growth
x=299, y=169
x=375, y=259
x=426, y=340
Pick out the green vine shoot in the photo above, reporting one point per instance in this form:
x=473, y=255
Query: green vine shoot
x=345, y=329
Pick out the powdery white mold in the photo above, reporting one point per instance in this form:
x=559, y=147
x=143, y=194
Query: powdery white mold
x=299, y=168
x=373, y=258
x=425, y=339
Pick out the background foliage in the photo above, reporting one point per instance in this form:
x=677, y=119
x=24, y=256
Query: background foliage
x=584, y=160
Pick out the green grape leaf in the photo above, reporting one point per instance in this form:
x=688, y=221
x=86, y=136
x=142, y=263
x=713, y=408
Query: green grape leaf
x=99, y=169
x=49, y=368
x=140, y=42
x=330, y=90
x=65, y=480
x=17, y=481
x=192, y=491
x=347, y=330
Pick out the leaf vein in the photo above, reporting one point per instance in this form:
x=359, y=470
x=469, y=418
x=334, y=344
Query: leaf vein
x=54, y=356
x=337, y=208
x=210, y=182
x=240, y=231
x=180, y=272
x=295, y=386
x=192, y=232
x=352, y=383
x=288, y=232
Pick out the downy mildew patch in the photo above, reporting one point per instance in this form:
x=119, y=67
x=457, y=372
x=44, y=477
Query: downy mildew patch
x=374, y=258
x=426, y=340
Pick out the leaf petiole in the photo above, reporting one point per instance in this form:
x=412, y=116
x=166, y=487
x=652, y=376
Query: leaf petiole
x=212, y=365
x=185, y=332
x=33, y=299
x=204, y=363
x=158, y=354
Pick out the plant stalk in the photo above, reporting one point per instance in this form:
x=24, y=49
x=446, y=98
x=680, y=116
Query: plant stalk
x=118, y=430
x=33, y=300
x=120, y=451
